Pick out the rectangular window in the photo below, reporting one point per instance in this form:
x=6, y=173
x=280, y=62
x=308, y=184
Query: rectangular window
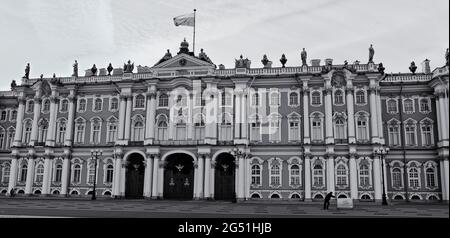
x=2, y=140
x=294, y=131
x=394, y=135
x=112, y=133
x=427, y=137
x=274, y=131
x=316, y=130
x=256, y=135
x=410, y=138
x=91, y=175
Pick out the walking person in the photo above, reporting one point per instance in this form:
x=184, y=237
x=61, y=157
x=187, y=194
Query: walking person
x=12, y=193
x=326, y=203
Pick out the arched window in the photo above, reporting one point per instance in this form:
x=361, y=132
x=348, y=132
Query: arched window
x=362, y=129
x=295, y=196
x=64, y=105
x=360, y=97
x=431, y=177
x=46, y=106
x=163, y=100
x=107, y=193
x=39, y=177
x=318, y=196
x=426, y=127
x=96, y=126
x=415, y=197
x=30, y=107
x=316, y=129
x=275, y=173
x=112, y=129
x=338, y=97
x=339, y=129
x=91, y=173
x=82, y=105
x=394, y=133
x=317, y=175
x=341, y=175
x=27, y=131
x=274, y=99
x=392, y=106
x=295, y=175
x=76, y=177
x=293, y=99
x=398, y=197
x=58, y=172
x=56, y=192
x=315, y=98
x=114, y=105
x=3, y=116
x=13, y=115
x=255, y=127
x=199, y=127
x=109, y=173
x=425, y=105
x=43, y=128
x=162, y=129
x=408, y=106
x=255, y=99
x=98, y=102
x=74, y=192
x=256, y=174
x=364, y=175
x=413, y=175
x=10, y=137
x=226, y=132
x=2, y=138
x=365, y=197
x=138, y=129
x=61, y=131
x=410, y=133
x=275, y=196
x=397, y=178
x=5, y=173
x=255, y=195
x=80, y=126
x=23, y=172
x=139, y=101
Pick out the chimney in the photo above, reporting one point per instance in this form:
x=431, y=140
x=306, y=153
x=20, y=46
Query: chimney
x=426, y=66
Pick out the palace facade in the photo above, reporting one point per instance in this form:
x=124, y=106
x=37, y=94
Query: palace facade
x=185, y=129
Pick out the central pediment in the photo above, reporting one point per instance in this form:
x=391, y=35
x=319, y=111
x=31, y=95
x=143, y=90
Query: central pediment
x=183, y=61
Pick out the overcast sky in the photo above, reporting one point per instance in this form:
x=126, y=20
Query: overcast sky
x=51, y=34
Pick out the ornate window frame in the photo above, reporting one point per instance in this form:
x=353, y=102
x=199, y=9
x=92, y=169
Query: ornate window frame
x=77, y=122
x=364, y=91
x=396, y=105
x=368, y=161
x=297, y=102
x=404, y=105
x=20, y=166
x=430, y=165
x=428, y=103
x=256, y=161
x=316, y=90
x=58, y=138
x=158, y=121
x=90, y=162
x=4, y=166
x=112, y=120
x=75, y=162
x=414, y=165
x=110, y=100
x=106, y=163
x=43, y=109
x=343, y=117
x=394, y=123
x=137, y=118
x=255, y=98
x=27, y=122
x=275, y=161
x=94, y=102
x=135, y=101
x=11, y=113
x=226, y=123
x=410, y=122
x=29, y=106
x=99, y=136
x=82, y=99
x=295, y=160
x=63, y=101
x=255, y=118
x=1, y=115
x=294, y=117
x=159, y=101
x=275, y=118
x=2, y=138
x=366, y=116
x=274, y=93
x=55, y=163
x=338, y=162
x=319, y=116
x=335, y=90
x=422, y=134
x=275, y=193
x=39, y=162
x=397, y=164
x=41, y=125
x=318, y=161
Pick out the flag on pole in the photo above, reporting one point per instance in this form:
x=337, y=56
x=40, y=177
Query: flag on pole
x=184, y=20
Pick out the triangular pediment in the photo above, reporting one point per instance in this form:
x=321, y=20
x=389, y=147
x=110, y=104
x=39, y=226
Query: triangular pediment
x=183, y=61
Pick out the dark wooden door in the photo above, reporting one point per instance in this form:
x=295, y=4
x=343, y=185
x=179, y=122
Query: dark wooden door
x=135, y=170
x=179, y=177
x=224, y=178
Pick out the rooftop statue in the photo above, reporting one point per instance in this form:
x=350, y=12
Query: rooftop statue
x=304, y=56
x=242, y=63
x=265, y=60
x=13, y=84
x=110, y=68
x=283, y=60
x=413, y=67
x=27, y=71
x=371, y=53
x=75, y=69
x=128, y=68
x=202, y=55
x=94, y=70
x=381, y=68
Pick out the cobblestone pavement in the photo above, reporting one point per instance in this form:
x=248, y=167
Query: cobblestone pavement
x=12, y=207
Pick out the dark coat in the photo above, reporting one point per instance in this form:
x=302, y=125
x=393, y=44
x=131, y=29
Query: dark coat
x=329, y=196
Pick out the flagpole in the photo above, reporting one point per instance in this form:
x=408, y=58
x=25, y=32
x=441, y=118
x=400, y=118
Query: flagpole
x=193, y=45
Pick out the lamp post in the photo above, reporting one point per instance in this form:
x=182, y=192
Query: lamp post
x=95, y=154
x=382, y=151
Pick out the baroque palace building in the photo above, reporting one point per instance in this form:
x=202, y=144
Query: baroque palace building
x=185, y=129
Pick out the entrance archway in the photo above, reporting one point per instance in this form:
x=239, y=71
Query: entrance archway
x=224, y=180
x=179, y=177
x=135, y=171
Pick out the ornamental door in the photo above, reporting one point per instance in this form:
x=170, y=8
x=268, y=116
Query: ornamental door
x=179, y=177
x=135, y=170
x=224, y=181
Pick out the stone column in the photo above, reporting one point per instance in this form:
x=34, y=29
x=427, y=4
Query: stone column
x=237, y=113
x=240, y=194
x=47, y=175
x=37, y=113
x=122, y=176
x=148, y=177
x=128, y=117
x=150, y=116
x=438, y=117
x=13, y=174
x=65, y=176
x=329, y=139
x=161, y=179
x=350, y=116
x=19, y=123
x=155, y=177
x=70, y=122
x=122, y=110
x=377, y=185
x=307, y=138
x=379, y=118
x=330, y=173
x=116, y=175
x=200, y=177
x=52, y=123
x=244, y=104
x=207, y=176
x=30, y=175
x=443, y=111
x=373, y=116
x=445, y=191
x=353, y=178
x=307, y=177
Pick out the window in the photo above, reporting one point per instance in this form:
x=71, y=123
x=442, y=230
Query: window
x=425, y=105
x=3, y=116
x=76, y=178
x=318, y=175
x=295, y=175
x=427, y=132
x=274, y=129
x=98, y=104
x=255, y=99
x=408, y=106
x=360, y=97
x=162, y=128
x=10, y=138
x=275, y=174
x=138, y=129
x=139, y=101
x=226, y=99
x=114, y=105
x=96, y=129
x=294, y=129
x=431, y=177
x=23, y=173
x=61, y=131
x=58, y=172
x=13, y=115
x=79, y=130
x=39, y=177
x=82, y=105
x=5, y=173
x=274, y=99
x=27, y=131
x=392, y=106
x=64, y=105
x=338, y=97
x=112, y=130
x=255, y=129
x=316, y=129
x=397, y=178
x=30, y=107
x=410, y=134
x=341, y=175
x=315, y=98
x=43, y=129
x=163, y=100
x=91, y=173
x=362, y=128
x=364, y=174
x=199, y=128
x=256, y=175
x=293, y=99
x=394, y=135
x=180, y=130
x=413, y=174
x=46, y=106
x=109, y=173
x=226, y=132
x=2, y=138
x=339, y=129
